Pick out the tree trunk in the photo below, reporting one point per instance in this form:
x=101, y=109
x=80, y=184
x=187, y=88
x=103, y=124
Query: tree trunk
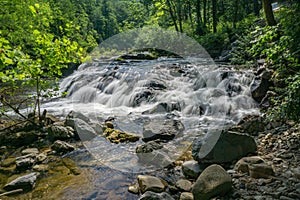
x=269, y=12
x=256, y=7
x=236, y=11
x=214, y=15
x=172, y=15
x=204, y=12
x=199, y=30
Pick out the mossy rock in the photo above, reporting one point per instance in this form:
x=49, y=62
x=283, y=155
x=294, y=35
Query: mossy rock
x=116, y=136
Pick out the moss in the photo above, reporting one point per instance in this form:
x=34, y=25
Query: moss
x=116, y=136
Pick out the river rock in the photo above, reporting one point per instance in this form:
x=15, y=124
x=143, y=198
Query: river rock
x=62, y=147
x=84, y=131
x=243, y=164
x=30, y=151
x=57, y=132
x=156, y=196
x=296, y=172
x=261, y=170
x=223, y=147
x=184, y=185
x=191, y=169
x=259, y=88
x=186, y=196
x=26, y=182
x=116, y=136
x=162, y=129
x=213, y=181
x=251, y=124
x=70, y=119
x=41, y=168
x=164, y=107
x=25, y=162
x=134, y=189
x=151, y=183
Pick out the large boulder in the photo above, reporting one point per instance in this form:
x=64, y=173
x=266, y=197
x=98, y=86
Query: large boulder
x=223, y=147
x=213, y=181
x=162, y=129
x=156, y=196
x=84, y=131
x=26, y=183
x=259, y=88
x=151, y=183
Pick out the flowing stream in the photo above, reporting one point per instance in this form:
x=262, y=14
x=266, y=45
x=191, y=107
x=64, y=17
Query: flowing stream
x=201, y=96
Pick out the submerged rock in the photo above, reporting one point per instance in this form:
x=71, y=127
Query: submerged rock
x=213, y=181
x=162, y=129
x=156, y=196
x=151, y=183
x=116, y=136
x=26, y=182
x=223, y=147
x=30, y=151
x=25, y=162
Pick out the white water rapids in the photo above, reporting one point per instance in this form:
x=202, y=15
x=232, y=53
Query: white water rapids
x=202, y=97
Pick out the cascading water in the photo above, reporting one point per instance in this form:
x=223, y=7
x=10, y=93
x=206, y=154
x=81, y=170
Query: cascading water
x=202, y=97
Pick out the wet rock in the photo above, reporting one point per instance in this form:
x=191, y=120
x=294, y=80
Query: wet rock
x=186, y=196
x=184, y=185
x=116, y=136
x=134, y=189
x=142, y=96
x=156, y=196
x=261, y=170
x=243, y=164
x=34, y=151
x=251, y=124
x=109, y=124
x=84, y=131
x=70, y=119
x=151, y=183
x=162, y=129
x=213, y=181
x=70, y=164
x=223, y=147
x=259, y=88
x=26, y=182
x=8, y=162
x=25, y=162
x=59, y=132
x=62, y=147
x=191, y=169
x=148, y=147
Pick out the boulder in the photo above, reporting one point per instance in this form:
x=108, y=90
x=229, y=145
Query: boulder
x=164, y=107
x=184, y=185
x=70, y=118
x=134, y=189
x=156, y=196
x=162, y=129
x=243, y=164
x=26, y=182
x=259, y=88
x=57, y=132
x=186, y=196
x=213, y=181
x=151, y=183
x=223, y=147
x=84, y=131
x=25, y=162
x=261, y=170
x=191, y=169
x=116, y=136
x=62, y=147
